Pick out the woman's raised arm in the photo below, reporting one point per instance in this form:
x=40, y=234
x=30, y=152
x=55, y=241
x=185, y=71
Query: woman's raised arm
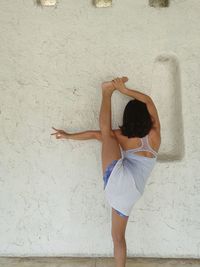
x=136, y=94
x=120, y=86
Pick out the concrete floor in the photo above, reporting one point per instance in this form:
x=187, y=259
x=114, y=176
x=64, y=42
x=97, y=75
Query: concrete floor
x=94, y=262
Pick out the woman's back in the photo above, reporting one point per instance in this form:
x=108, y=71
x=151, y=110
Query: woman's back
x=140, y=146
x=130, y=174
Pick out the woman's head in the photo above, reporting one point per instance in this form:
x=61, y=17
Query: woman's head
x=136, y=119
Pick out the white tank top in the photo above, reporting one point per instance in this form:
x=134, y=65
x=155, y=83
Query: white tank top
x=128, y=178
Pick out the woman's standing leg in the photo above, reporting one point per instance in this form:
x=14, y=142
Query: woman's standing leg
x=118, y=235
x=110, y=152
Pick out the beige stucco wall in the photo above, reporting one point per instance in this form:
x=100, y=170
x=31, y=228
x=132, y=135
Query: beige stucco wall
x=53, y=61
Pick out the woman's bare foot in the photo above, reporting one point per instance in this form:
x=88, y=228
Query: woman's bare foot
x=109, y=86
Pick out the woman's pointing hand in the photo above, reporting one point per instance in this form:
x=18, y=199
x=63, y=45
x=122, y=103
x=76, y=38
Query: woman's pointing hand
x=60, y=134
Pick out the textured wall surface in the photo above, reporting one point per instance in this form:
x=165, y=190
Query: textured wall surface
x=53, y=61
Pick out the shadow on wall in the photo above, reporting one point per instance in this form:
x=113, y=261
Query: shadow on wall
x=166, y=93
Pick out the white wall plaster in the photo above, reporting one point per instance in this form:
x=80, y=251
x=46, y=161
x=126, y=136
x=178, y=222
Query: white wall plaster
x=52, y=64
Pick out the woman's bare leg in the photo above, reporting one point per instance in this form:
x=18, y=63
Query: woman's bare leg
x=110, y=146
x=110, y=152
x=118, y=235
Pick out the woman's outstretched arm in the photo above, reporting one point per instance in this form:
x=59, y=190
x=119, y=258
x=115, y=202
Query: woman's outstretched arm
x=86, y=135
x=60, y=134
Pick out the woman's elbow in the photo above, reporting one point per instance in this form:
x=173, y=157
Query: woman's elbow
x=98, y=136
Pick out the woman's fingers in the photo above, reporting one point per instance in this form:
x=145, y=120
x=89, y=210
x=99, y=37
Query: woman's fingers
x=55, y=129
x=115, y=83
x=117, y=80
x=58, y=133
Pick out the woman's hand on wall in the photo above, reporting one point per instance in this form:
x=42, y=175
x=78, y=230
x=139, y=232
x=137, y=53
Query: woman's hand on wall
x=60, y=134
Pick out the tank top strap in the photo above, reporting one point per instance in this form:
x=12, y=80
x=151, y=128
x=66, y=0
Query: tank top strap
x=146, y=144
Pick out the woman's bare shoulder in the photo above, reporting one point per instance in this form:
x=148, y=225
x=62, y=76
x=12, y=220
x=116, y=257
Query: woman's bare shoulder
x=118, y=133
x=155, y=138
x=120, y=137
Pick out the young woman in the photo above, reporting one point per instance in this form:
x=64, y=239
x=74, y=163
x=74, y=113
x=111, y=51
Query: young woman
x=128, y=155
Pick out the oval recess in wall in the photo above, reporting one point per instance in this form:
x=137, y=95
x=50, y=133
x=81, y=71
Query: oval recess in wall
x=166, y=91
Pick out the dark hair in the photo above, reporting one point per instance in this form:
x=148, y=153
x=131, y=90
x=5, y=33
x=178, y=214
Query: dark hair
x=136, y=119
